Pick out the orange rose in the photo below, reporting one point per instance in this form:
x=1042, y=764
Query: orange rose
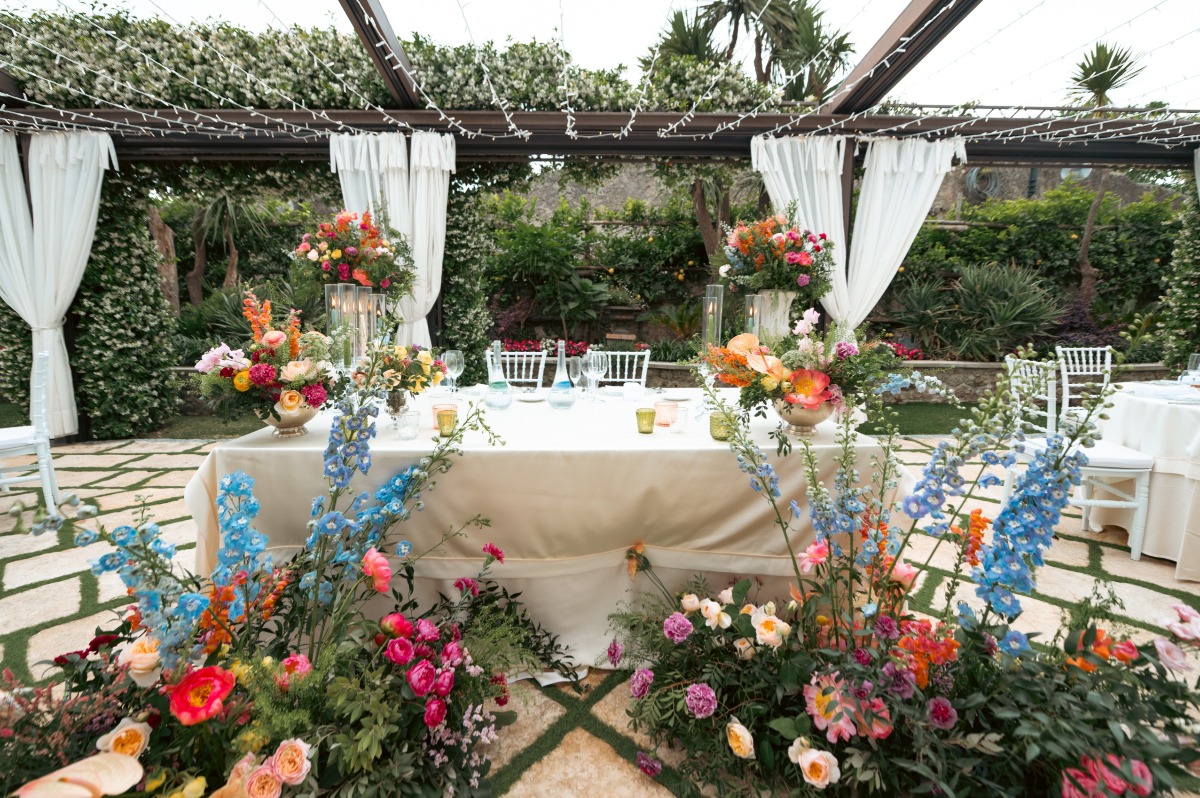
x=290, y=401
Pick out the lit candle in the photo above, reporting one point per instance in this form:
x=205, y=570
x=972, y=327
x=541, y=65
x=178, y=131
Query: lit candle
x=753, y=313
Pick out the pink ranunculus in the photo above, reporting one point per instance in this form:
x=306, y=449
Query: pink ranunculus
x=275, y=338
x=444, y=683
x=435, y=713
x=904, y=574
x=452, y=654
x=1185, y=612
x=811, y=557
x=421, y=677
x=1171, y=655
x=397, y=625
x=426, y=630
x=399, y=650
x=375, y=565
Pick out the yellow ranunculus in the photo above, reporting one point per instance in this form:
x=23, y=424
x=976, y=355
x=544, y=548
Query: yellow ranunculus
x=769, y=383
x=337, y=253
x=241, y=381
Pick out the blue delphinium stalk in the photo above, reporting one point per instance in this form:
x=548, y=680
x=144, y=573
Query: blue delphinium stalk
x=1024, y=528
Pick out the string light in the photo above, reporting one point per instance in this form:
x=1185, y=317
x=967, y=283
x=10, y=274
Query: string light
x=487, y=78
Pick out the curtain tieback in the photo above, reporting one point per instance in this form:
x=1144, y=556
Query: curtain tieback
x=57, y=326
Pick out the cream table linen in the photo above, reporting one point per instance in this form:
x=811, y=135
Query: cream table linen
x=1144, y=417
x=567, y=494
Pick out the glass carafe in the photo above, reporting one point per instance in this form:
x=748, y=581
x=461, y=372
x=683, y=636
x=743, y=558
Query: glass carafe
x=499, y=393
x=561, y=396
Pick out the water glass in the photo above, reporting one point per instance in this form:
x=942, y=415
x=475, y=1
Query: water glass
x=595, y=366
x=645, y=420
x=409, y=425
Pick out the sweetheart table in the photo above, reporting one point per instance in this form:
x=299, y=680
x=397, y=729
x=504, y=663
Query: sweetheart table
x=567, y=494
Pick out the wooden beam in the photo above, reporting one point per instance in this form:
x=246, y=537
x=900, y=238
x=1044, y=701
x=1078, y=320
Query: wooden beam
x=372, y=26
x=914, y=35
x=10, y=87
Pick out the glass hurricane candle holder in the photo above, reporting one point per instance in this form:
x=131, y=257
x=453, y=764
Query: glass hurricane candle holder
x=447, y=420
x=645, y=420
x=665, y=413
x=719, y=428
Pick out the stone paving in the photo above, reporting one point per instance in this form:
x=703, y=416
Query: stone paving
x=51, y=603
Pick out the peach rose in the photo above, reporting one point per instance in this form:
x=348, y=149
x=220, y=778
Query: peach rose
x=129, y=738
x=275, y=338
x=291, y=761
x=741, y=742
x=145, y=666
x=295, y=370
x=264, y=782
x=289, y=401
x=819, y=768
x=744, y=648
x=690, y=602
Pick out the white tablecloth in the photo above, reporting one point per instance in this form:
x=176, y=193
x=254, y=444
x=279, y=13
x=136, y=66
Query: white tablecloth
x=567, y=494
x=1157, y=420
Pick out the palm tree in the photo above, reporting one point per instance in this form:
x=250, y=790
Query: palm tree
x=1102, y=71
x=810, y=48
x=688, y=35
x=762, y=18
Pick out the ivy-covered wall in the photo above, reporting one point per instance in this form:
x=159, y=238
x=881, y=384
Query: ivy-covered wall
x=122, y=325
x=1180, y=325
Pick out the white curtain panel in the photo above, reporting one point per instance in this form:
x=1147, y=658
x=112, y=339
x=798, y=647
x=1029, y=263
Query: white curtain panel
x=46, y=252
x=901, y=182
x=410, y=192
x=807, y=170
x=902, y=179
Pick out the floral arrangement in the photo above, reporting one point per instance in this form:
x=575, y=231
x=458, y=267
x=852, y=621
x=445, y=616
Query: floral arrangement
x=840, y=687
x=317, y=676
x=281, y=372
x=906, y=352
x=408, y=368
x=811, y=369
x=353, y=250
x=550, y=345
x=772, y=254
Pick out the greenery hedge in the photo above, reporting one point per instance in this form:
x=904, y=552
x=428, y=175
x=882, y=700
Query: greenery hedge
x=1180, y=325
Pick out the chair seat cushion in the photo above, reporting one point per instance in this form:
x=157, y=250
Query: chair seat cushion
x=1106, y=454
x=17, y=436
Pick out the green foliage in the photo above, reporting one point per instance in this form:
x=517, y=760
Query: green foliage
x=683, y=320
x=983, y=315
x=1131, y=247
x=655, y=253
x=1179, y=328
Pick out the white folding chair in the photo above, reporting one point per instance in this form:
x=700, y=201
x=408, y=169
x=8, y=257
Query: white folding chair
x=626, y=367
x=1033, y=385
x=1081, y=367
x=520, y=368
x=34, y=439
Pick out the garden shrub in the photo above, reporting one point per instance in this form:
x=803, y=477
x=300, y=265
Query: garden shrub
x=1179, y=328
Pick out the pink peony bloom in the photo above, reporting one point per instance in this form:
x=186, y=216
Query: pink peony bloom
x=399, y=650
x=435, y=713
x=814, y=555
x=452, y=654
x=444, y=683
x=427, y=630
x=1171, y=655
x=809, y=388
x=397, y=625
x=421, y=677
x=1077, y=784
x=375, y=565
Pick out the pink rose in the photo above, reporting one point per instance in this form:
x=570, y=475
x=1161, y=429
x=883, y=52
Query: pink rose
x=421, y=677
x=1112, y=781
x=444, y=683
x=435, y=713
x=426, y=630
x=1143, y=782
x=264, y=782
x=1086, y=788
x=399, y=650
x=291, y=761
x=375, y=565
x=904, y=574
x=452, y=655
x=275, y=338
x=1171, y=655
x=397, y=625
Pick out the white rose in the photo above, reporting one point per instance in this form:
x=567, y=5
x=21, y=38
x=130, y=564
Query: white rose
x=725, y=596
x=145, y=665
x=819, y=768
x=744, y=648
x=798, y=747
x=313, y=254
x=713, y=615
x=690, y=602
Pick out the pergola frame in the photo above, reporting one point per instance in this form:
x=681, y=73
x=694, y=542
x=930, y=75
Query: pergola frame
x=1109, y=141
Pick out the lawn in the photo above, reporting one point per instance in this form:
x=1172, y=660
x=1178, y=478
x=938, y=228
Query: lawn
x=917, y=418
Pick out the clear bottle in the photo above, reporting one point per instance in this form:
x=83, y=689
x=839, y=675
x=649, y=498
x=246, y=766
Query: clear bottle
x=561, y=395
x=499, y=394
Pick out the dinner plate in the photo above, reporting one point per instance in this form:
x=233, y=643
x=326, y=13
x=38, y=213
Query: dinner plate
x=672, y=397
x=530, y=397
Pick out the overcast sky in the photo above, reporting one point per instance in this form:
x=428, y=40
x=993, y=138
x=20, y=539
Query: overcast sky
x=1005, y=52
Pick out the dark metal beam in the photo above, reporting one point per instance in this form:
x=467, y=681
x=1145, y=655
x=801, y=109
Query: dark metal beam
x=372, y=26
x=915, y=36
x=10, y=87
x=549, y=137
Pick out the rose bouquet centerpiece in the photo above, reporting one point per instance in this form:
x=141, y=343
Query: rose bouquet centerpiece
x=281, y=374
x=406, y=370
x=354, y=250
x=861, y=679
x=774, y=254
x=811, y=370
x=319, y=675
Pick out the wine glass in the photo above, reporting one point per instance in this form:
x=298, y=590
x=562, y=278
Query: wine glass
x=575, y=370
x=595, y=366
x=455, y=364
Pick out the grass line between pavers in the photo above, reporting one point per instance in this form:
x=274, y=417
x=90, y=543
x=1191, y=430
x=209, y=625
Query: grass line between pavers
x=60, y=577
x=16, y=644
x=1190, y=599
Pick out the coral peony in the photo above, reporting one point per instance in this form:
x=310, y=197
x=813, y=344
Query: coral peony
x=200, y=695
